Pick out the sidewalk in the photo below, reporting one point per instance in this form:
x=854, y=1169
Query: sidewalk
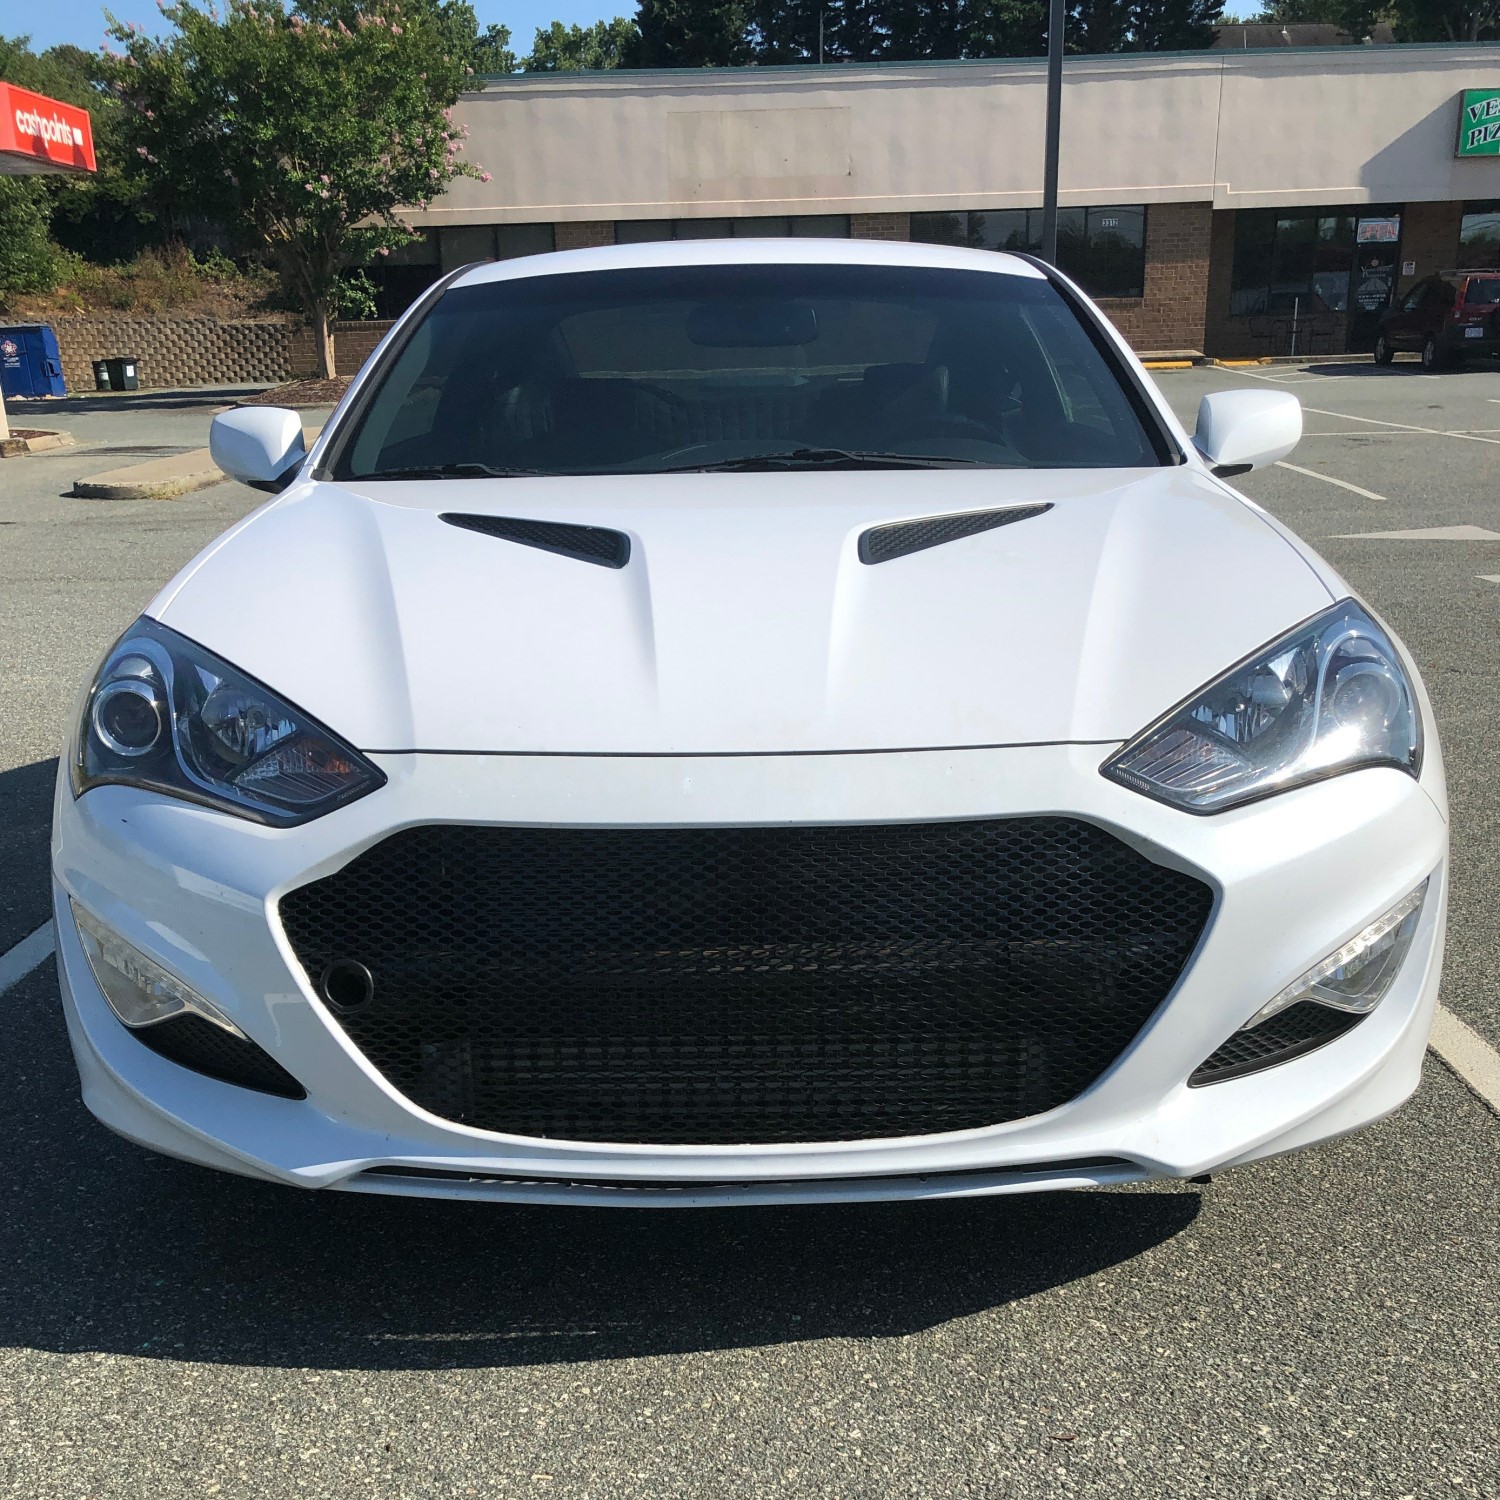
x=165, y=478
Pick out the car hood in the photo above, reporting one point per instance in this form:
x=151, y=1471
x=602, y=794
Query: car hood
x=745, y=620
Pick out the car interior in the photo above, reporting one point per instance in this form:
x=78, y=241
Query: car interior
x=620, y=378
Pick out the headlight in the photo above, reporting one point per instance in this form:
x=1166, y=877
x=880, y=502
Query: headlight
x=1328, y=697
x=164, y=713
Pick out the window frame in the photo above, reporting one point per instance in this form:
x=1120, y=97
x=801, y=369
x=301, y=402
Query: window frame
x=348, y=421
x=971, y=237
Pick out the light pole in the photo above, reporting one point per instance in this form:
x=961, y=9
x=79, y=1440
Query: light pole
x=1054, y=131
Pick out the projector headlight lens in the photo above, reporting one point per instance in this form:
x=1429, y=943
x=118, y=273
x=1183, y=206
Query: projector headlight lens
x=1328, y=697
x=163, y=713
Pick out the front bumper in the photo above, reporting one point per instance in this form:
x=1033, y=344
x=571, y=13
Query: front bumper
x=1294, y=876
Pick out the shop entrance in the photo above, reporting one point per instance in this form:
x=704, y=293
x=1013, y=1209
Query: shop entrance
x=1372, y=278
x=1310, y=281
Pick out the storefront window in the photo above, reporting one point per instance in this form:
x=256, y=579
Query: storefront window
x=1479, y=236
x=749, y=227
x=1103, y=249
x=470, y=243
x=1285, y=260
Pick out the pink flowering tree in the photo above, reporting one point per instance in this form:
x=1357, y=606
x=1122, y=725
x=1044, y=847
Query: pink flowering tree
x=305, y=130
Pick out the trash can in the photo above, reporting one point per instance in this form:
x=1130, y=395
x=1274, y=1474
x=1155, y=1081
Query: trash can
x=122, y=373
x=101, y=375
x=30, y=364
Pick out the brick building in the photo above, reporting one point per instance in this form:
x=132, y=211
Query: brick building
x=1232, y=201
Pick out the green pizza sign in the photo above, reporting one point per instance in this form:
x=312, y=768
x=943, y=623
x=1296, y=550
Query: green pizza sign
x=1479, y=123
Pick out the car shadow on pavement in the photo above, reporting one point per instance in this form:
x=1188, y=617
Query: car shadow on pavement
x=106, y=401
x=25, y=836
x=1363, y=369
x=107, y=1247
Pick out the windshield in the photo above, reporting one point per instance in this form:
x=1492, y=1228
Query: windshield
x=653, y=370
x=1483, y=291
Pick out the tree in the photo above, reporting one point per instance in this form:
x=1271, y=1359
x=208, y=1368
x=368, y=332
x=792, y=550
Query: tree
x=492, y=52
x=582, y=49
x=28, y=258
x=1447, y=20
x=303, y=130
x=1170, y=25
x=101, y=214
x=692, y=34
x=1356, y=17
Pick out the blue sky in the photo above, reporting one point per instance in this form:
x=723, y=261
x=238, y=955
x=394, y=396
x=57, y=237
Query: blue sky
x=82, y=21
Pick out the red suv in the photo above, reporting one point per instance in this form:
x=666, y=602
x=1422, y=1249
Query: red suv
x=1446, y=317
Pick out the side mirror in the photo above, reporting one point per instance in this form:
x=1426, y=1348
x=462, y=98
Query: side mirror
x=1243, y=430
x=260, y=446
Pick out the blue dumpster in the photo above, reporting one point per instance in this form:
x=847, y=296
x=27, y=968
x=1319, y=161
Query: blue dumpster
x=30, y=364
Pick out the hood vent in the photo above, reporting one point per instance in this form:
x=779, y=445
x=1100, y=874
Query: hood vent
x=590, y=544
x=884, y=543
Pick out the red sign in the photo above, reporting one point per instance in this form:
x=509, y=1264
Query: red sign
x=38, y=134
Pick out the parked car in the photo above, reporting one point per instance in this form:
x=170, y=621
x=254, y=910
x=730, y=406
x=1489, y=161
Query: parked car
x=752, y=721
x=1447, y=317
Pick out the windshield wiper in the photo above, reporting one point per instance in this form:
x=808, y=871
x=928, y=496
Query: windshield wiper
x=825, y=458
x=450, y=471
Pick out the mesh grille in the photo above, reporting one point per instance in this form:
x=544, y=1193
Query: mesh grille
x=1288, y=1034
x=882, y=543
x=743, y=985
x=195, y=1043
x=593, y=544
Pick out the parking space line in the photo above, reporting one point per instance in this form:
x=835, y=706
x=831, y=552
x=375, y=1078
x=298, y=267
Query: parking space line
x=1467, y=437
x=1468, y=1054
x=1343, y=484
x=28, y=954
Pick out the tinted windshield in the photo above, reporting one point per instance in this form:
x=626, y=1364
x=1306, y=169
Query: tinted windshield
x=1482, y=291
x=657, y=369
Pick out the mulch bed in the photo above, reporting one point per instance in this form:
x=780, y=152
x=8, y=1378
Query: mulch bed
x=302, y=393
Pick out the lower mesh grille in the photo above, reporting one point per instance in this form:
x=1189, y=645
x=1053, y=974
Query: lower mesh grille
x=1290, y=1033
x=195, y=1043
x=744, y=985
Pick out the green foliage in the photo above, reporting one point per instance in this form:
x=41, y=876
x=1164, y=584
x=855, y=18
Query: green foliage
x=302, y=131
x=492, y=53
x=1447, y=20
x=579, y=49
x=909, y=30
x=29, y=261
x=354, y=297
x=1411, y=20
x=692, y=34
x=103, y=214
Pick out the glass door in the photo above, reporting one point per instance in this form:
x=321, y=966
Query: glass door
x=1372, y=281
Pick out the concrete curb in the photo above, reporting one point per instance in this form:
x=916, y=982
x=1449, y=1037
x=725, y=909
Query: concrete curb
x=36, y=440
x=163, y=478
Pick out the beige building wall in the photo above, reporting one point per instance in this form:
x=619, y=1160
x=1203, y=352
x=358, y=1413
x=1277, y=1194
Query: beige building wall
x=1234, y=130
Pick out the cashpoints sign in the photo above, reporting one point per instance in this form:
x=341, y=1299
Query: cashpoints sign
x=1479, y=123
x=38, y=134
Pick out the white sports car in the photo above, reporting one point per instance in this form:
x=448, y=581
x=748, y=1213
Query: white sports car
x=748, y=722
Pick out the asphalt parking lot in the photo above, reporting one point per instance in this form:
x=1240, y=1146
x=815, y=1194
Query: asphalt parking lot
x=1324, y=1325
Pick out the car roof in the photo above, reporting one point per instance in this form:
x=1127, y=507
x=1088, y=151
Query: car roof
x=751, y=252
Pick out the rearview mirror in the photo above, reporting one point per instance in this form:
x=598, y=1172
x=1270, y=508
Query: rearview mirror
x=261, y=446
x=1243, y=430
x=754, y=324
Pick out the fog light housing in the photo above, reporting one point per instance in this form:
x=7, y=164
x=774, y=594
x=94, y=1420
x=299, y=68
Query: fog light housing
x=1355, y=977
x=139, y=991
x=1331, y=998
